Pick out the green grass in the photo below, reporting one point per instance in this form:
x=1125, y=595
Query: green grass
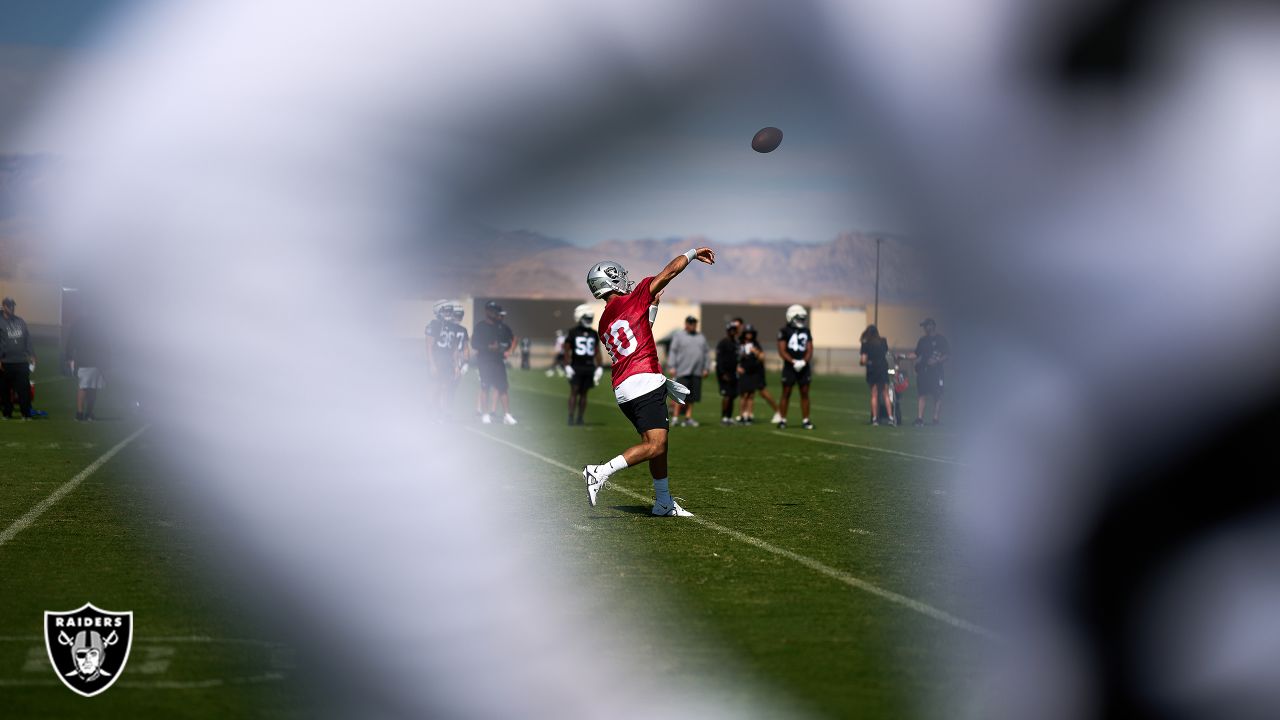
x=878, y=516
x=705, y=604
x=117, y=542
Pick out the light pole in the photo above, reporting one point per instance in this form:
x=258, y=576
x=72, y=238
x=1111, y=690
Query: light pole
x=876, y=315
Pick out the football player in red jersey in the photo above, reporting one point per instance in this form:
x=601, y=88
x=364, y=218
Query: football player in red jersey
x=626, y=331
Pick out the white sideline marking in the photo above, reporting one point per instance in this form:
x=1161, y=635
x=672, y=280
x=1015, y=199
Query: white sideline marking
x=833, y=573
x=25, y=521
x=798, y=436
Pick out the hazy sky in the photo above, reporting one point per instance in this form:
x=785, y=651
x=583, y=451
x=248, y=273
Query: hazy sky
x=697, y=175
x=694, y=173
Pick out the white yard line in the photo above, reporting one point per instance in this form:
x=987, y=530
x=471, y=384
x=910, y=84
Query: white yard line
x=872, y=448
x=816, y=566
x=34, y=513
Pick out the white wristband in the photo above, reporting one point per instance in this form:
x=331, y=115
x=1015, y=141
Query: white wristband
x=691, y=254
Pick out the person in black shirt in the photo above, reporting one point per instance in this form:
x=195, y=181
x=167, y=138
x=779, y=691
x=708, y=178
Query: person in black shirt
x=931, y=356
x=795, y=347
x=16, y=358
x=727, y=369
x=89, y=356
x=874, y=355
x=493, y=341
x=751, y=376
x=581, y=360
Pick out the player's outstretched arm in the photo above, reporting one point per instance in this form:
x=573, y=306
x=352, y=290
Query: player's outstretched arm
x=678, y=264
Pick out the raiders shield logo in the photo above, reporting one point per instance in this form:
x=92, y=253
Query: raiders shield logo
x=88, y=647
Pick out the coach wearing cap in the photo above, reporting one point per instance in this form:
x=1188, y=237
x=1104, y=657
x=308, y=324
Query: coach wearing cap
x=16, y=359
x=687, y=363
x=493, y=341
x=931, y=357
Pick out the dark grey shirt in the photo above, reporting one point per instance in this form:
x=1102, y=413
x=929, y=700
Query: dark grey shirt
x=15, y=340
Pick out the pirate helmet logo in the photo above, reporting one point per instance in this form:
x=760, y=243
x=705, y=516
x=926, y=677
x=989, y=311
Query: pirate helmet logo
x=88, y=646
x=611, y=272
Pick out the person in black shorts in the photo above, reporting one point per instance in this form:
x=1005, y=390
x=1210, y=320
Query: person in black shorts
x=931, y=357
x=751, y=377
x=874, y=355
x=795, y=347
x=727, y=369
x=493, y=341
x=582, y=361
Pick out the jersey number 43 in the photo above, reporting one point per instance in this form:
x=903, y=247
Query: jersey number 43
x=798, y=342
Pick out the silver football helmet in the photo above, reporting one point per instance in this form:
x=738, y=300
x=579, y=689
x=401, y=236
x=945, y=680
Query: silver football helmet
x=608, y=276
x=584, y=315
x=797, y=316
x=443, y=309
x=459, y=311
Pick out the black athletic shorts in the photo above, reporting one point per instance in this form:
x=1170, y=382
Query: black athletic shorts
x=493, y=373
x=791, y=377
x=728, y=385
x=879, y=376
x=751, y=382
x=694, y=383
x=928, y=382
x=581, y=380
x=649, y=411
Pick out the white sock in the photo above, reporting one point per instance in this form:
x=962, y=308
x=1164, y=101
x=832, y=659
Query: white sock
x=661, y=495
x=612, y=466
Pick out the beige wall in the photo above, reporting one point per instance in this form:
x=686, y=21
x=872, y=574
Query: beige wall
x=671, y=317
x=38, y=303
x=837, y=328
x=901, y=324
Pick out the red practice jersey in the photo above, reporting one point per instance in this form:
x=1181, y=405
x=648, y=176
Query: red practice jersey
x=625, y=332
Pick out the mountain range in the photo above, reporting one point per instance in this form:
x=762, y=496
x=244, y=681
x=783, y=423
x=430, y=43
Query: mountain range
x=482, y=261
x=474, y=259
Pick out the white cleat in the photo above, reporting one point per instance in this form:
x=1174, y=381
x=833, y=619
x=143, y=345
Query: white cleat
x=508, y=420
x=594, y=482
x=486, y=419
x=672, y=510
x=777, y=418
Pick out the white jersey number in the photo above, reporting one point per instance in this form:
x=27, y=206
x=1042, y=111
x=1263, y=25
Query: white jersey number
x=798, y=342
x=584, y=345
x=622, y=339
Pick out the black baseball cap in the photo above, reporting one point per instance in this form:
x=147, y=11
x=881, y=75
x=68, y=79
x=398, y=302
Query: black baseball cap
x=928, y=321
x=691, y=319
x=493, y=305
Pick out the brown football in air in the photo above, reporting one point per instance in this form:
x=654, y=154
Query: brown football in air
x=767, y=140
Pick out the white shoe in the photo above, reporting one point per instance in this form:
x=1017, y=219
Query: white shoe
x=672, y=510
x=690, y=422
x=595, y=483
x=777, y=418
x=486, y=419
x=550, y=373
x=508, y=420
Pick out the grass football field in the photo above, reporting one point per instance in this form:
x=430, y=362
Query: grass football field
x=817, y=569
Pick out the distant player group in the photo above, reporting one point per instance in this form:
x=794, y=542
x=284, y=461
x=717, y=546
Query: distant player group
x=639, y=385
